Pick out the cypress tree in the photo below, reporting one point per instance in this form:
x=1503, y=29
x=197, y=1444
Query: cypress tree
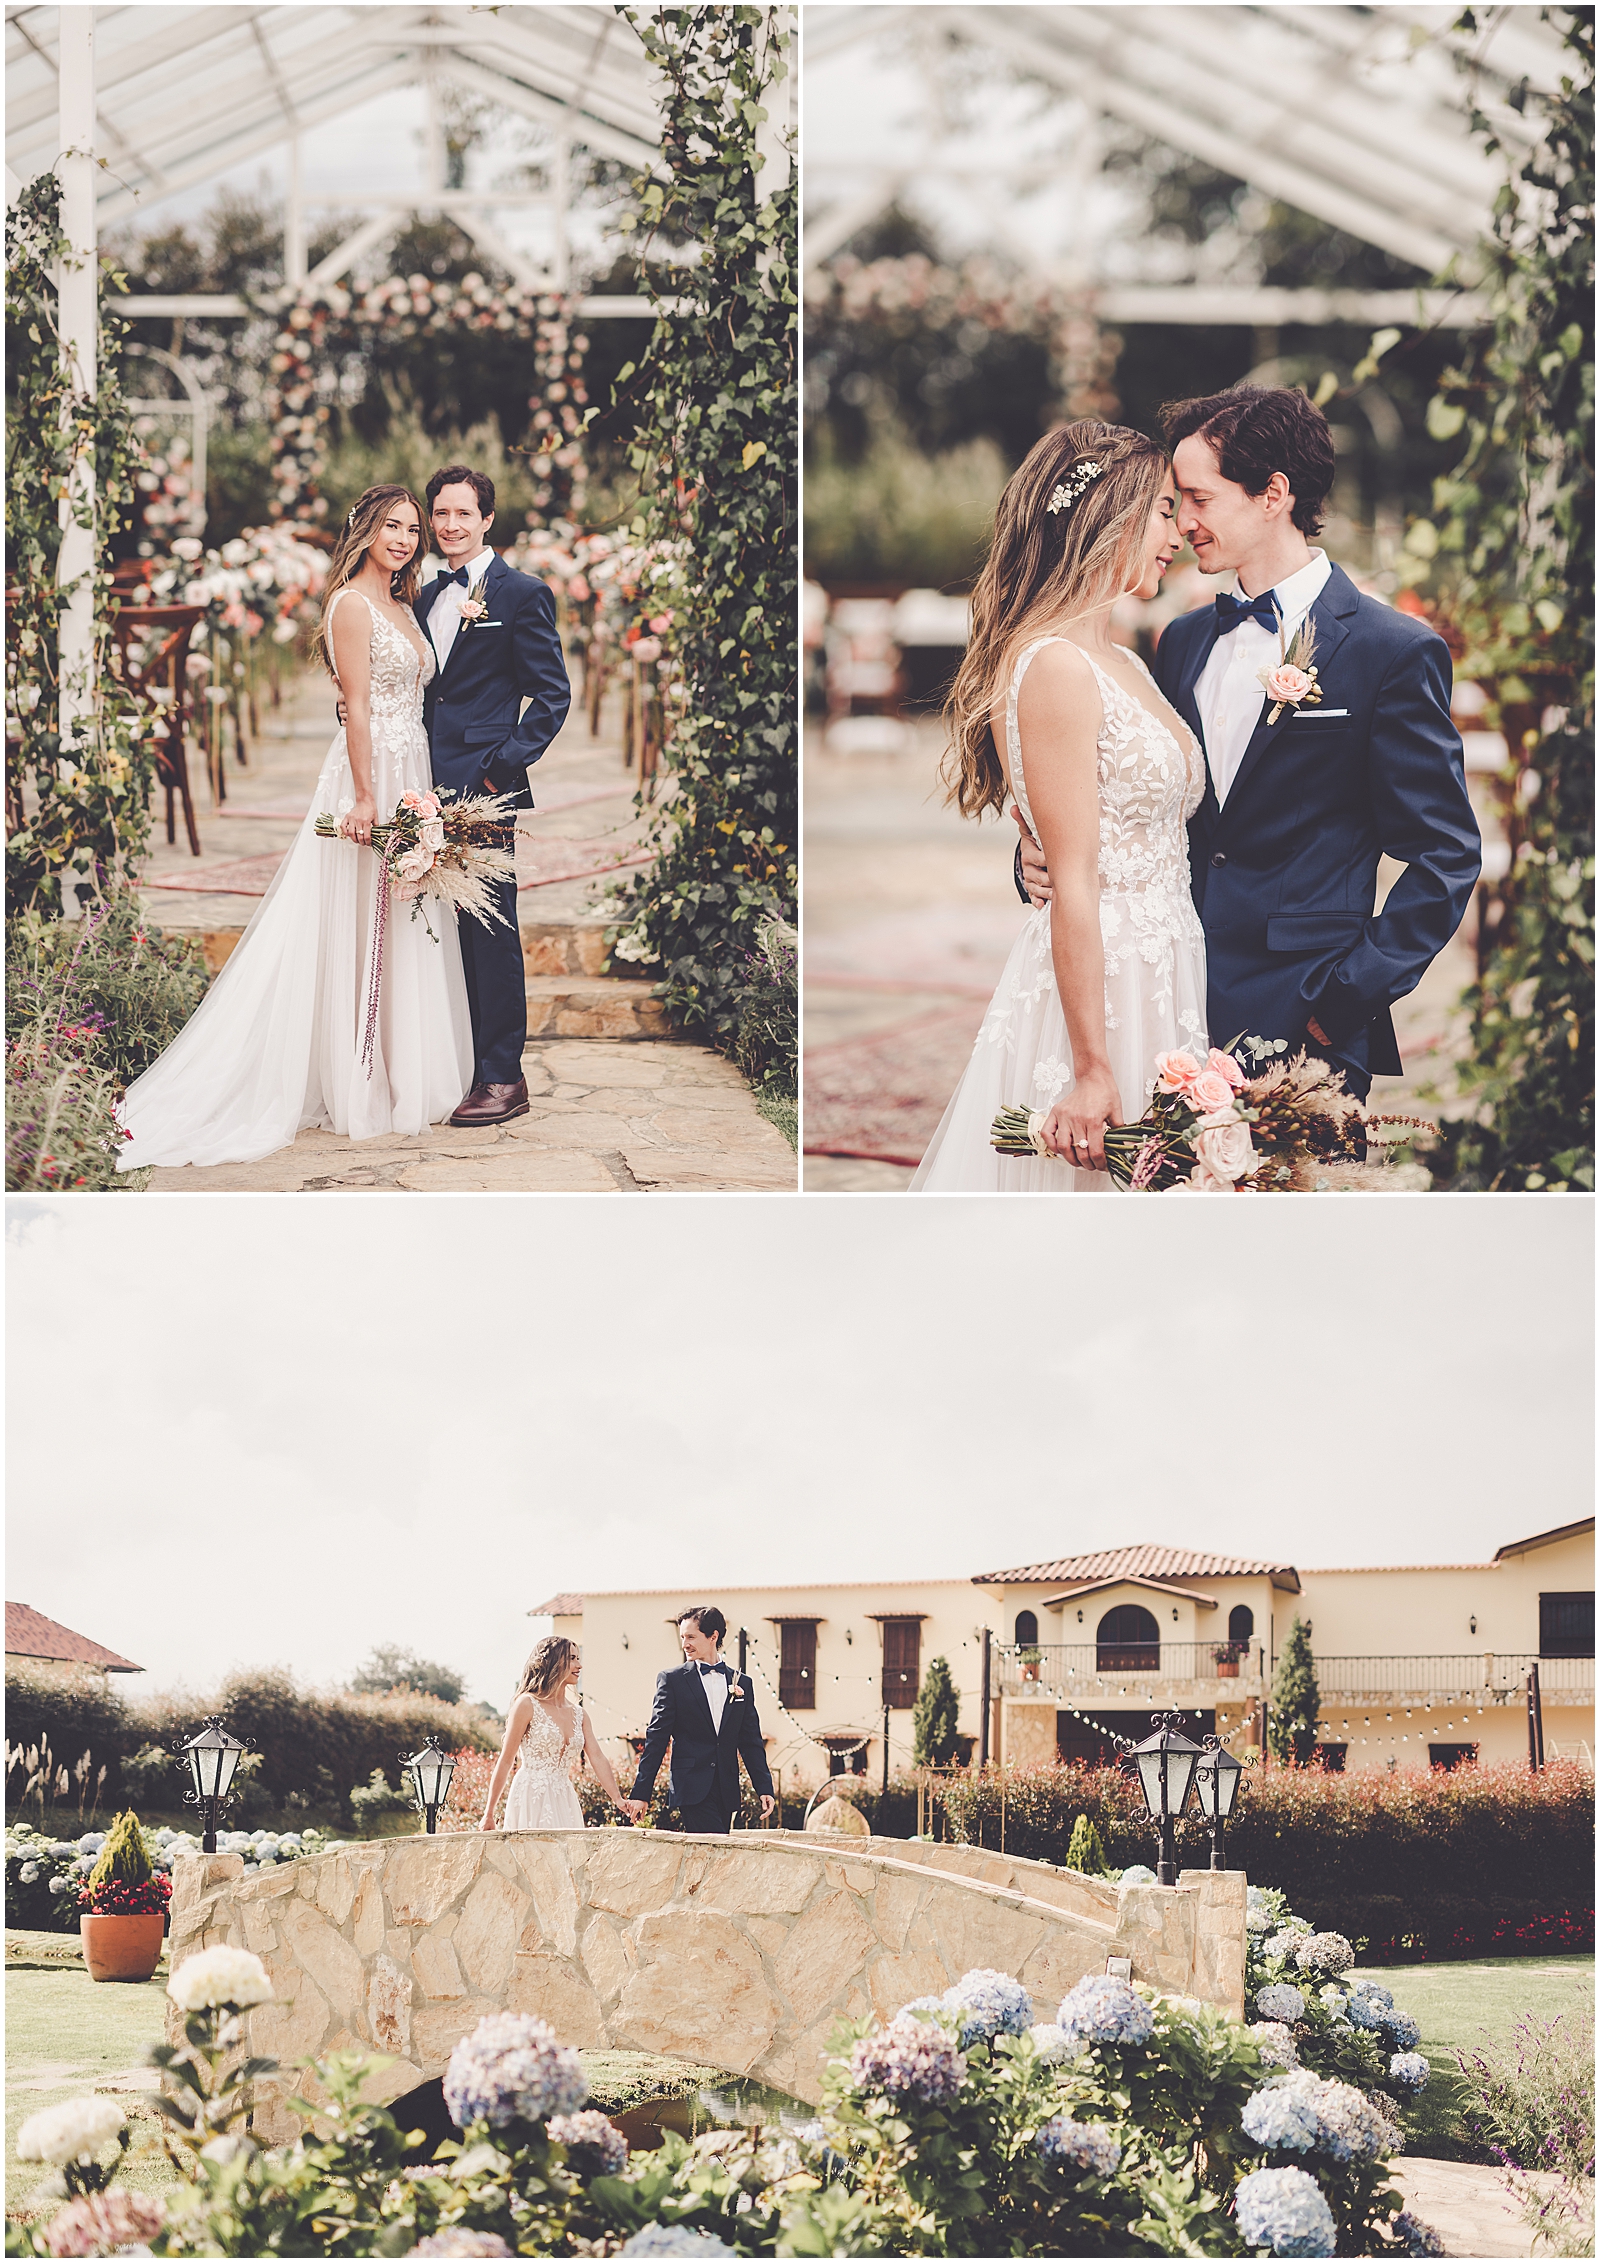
x=935, y=1718
x=1296, y=1700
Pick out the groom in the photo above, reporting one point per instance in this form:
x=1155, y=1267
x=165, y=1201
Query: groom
x=708, y=1712
x=1302, y=800
x=498, y=697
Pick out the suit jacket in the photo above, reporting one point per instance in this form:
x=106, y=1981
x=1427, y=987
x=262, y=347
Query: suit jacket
x=1285, y=871
x=705, y=1761
x=481, y=734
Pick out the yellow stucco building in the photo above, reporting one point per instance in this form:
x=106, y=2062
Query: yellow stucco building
x=1418, y=1665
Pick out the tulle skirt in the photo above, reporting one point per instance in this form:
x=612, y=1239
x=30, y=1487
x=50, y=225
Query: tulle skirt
x=542, y=1799
x=275, y=1047
x=1155, y=1003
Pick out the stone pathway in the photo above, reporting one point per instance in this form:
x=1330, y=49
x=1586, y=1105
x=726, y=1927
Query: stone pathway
x=910, y=915
x=1467, y=2206
x=619, y=1104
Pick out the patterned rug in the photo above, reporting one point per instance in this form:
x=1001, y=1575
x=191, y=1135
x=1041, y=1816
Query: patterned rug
x=540, y=864
x=881, y=1097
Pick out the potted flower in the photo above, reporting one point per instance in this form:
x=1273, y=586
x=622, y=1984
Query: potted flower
x=1029, y=1660
x=1225, y=1656
x=122, y=1911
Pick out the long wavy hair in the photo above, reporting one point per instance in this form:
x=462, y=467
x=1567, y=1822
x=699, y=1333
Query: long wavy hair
x=356, y=538
x=1044, y=569
x=550, y=1661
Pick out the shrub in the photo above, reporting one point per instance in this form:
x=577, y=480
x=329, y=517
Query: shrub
x=1085, y=1852
x=1296, y=1701
x=936, y=1717
x=766, y=1047
x=375, y=1798
x=1529, y=2099
x=391, y=1667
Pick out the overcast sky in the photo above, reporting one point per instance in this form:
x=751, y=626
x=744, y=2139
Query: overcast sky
x=253, y=1430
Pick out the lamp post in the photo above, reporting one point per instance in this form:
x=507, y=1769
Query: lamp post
x=1216, y=1787
x=431, y=1771
x=1166, y=1763
x=213, y=1756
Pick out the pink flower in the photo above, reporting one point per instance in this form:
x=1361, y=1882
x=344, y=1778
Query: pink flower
x=1226, y=1149
x=1176, y=1072
x=1203, y=1181
x=578, y=588
x=1226, y=1066
x=661, y=622
x=1286, y=685
x=1209, y=1092
x=415, y=863
x=647, y=649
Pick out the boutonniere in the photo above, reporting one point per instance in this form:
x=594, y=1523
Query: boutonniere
x=472, y=609
x=735, y=1693
x=1293, y=683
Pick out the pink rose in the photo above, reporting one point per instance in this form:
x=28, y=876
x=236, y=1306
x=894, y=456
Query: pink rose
x=1209, y=1092
x=647, y=649
x=1176, y=1072
x=415, y=863
x=1226, y=1149
x=578, y=587
x=1203, y=1181
x=1226, y=1066
x=661, y=622
x=427, y=804
x=1286, y=685
x=411, y=799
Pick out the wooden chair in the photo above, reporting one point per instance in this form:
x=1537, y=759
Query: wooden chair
x=150, y=657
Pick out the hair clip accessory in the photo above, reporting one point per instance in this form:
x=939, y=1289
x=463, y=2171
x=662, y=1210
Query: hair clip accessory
x=1075, y=486
x=351, y=520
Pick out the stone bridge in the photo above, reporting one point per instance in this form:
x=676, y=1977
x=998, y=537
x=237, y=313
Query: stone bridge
x=740, y=1953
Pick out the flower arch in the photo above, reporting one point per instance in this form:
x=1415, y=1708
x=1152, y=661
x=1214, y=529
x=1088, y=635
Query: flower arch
x=320, y=329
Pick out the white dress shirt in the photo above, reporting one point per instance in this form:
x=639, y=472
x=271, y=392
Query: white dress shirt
x=715, y=1685
x=1228, y=689
x=444, y=615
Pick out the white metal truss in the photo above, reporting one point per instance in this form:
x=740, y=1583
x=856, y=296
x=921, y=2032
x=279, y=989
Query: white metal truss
x=1355, y=115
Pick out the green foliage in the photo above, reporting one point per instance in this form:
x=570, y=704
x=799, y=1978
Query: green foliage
x=390, y=1666
x=84, y=803
x=1296, y=1702
x=124, y=1857
x=936, y=1717
x=768, y=1041
x=1529, y=2098
x=1507, y=556
x=1085, y=1851
x=717, y=440
x=897, y=515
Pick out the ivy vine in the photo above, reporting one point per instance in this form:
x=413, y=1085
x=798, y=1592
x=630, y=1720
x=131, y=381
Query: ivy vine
x=78, y=812
x=1507, y=560
x=716, y=443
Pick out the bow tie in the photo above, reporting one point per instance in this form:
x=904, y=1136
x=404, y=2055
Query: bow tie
x=713, y=1669
x=462, y=574
x=1232, y=610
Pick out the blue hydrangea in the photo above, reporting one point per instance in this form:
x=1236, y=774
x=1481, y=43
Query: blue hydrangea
x=512, y=2069
x=1409, y=2070
x=989, y=2003
x=1403, y=2031
x=1279, y=2001
x=1102, y=2009
x=1282, y=2115
x=1277, y=2044
x=593, y=2141
x=674, y=2239
x=1324, y=1952
x=1283, y=2212
x=1352, y=2129
x=1053, y=2044
x=1415, y=2237
x=1365, y=2008
x=1088, y=2146
x=909, y=2059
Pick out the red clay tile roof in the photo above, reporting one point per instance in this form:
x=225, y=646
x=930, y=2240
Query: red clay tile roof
x=559, y=1607
x=29, y=1634
x=1145, y=1560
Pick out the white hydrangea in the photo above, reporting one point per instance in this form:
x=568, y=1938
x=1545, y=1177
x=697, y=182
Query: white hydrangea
x=74, y=2131
x=1052, y=2043
x=220, y=1976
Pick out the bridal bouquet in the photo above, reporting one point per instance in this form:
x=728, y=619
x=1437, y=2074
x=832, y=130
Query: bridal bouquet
x=450, y=850
x=1218, y=1126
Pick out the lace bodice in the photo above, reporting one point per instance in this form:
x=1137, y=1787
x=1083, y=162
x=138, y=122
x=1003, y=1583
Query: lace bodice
x=402, y=666
x=547, y=1749
x=1150, y=783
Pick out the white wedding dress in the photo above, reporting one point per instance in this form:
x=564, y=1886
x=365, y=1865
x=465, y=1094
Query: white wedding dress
x=1151, y=780
x=542, y=1797
x=276, y=1044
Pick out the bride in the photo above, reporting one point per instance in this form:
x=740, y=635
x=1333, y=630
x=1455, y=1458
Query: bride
x=277, y=1044
x=545, y=1730
x=1106, y=777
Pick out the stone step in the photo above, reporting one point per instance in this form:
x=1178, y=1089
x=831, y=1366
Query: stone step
x=556, y=946
x=564, y=1005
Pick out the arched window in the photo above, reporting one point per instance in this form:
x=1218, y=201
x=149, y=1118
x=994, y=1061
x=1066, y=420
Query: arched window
x=1241, y=1623
x=1027, y=1630
x=1128, y=1640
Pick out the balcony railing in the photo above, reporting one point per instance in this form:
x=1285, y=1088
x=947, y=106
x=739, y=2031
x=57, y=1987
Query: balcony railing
x=1070, y=1670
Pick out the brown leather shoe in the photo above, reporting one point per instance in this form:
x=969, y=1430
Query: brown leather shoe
x=492, y=1104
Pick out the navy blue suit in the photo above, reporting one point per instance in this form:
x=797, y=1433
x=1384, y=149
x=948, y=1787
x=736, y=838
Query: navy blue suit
x=704, y=1785
x=1285, y=871
x=493, y=708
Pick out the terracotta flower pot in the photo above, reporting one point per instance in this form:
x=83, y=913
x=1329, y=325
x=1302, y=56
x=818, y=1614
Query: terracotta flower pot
x=1228, y=1669
x=122, y=1948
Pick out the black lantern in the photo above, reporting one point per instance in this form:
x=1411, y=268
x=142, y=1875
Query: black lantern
x=212, y=1756
x=431, y=1771
x=1166, y=1762
x=1216, y=1787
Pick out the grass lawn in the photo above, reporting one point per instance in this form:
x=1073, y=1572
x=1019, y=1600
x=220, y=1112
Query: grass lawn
x=1457, y=2005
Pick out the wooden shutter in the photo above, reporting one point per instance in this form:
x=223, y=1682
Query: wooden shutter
x=902, y=1660
x=797, y=1666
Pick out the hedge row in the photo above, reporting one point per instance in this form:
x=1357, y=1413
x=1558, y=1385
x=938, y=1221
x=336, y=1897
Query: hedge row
x=316, y=1743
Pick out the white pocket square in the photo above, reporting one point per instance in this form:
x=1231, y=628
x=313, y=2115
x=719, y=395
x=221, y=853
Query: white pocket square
x=1302, y=714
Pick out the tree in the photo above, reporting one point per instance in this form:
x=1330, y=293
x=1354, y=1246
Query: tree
x=1086, y=1852
x=1296, y=1700
x=935, y=1718
x=391, y=1667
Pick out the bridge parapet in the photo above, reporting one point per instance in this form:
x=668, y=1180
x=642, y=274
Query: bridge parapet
x=739, y=1952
